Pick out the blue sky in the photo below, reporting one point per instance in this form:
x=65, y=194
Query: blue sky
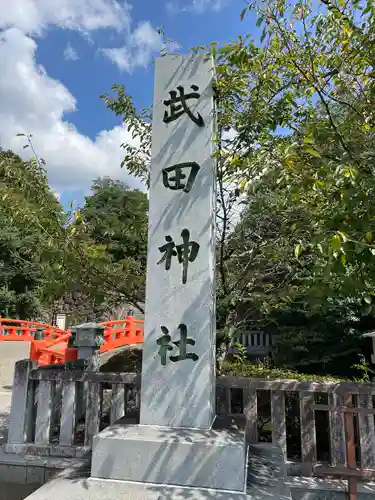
x=58, y=56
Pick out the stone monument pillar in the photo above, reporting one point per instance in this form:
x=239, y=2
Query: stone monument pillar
x=178, y=370
x=176, y=444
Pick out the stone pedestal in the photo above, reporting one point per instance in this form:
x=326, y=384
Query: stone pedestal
x=212, y=459
x=266, y=480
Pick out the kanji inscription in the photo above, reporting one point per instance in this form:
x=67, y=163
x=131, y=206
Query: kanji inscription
x=178, y=105
x=185, y=253
x=183, y=178
x=165, y=345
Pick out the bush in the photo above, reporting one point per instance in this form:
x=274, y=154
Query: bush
x=267, y=371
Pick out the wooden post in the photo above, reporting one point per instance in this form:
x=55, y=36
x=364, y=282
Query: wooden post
x=117, y=402
x=350, y=447
x=68, y=414
x=44, y=412
x=336, y=432
x=308, y=434
x=366, y=432
x=92, y=411
x=21, y=409
x=278, y=420
x=251, y=413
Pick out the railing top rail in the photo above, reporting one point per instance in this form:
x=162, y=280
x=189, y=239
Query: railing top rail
x=122, y=322
x=295, y=385
x=20, y=327
x=8, y=322
x=78, y=376
x=63, y=338
x=223, y=382
x=34, y=324
x=111, y=331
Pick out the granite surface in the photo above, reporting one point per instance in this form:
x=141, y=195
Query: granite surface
x=193, y=458
x=179, y=390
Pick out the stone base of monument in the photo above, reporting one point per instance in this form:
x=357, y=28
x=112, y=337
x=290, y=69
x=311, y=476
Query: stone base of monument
x=213, y=459
x=266, y=480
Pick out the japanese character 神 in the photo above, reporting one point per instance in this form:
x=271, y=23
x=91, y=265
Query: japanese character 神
x=185, y=253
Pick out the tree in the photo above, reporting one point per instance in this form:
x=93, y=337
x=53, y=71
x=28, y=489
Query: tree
x=277, y=285
x=300, y=104
x=104, y=253
x=30, y=218
x=114, y=218
x=82, y=261
x=313, y=73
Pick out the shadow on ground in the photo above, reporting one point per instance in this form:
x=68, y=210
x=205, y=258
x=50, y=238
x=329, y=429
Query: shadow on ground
x=15, y=491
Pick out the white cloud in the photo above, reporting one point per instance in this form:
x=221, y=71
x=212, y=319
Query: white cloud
x=33, y=16
x=195, y=6
x=120, y=56
x=33, y=102
x=140, y=46
x=70, y=54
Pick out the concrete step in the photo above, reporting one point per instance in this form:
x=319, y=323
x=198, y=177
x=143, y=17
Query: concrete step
x=33, y=470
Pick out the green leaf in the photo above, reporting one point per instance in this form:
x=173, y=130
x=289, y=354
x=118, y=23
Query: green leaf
x=298, y=250
x=367, y=9
x=308, y=140
x=343, y=236
x=335, y=242
x=313, y=152
x=367, y=299
x=243, y=13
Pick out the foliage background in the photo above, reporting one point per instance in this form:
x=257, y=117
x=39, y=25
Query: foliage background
x=295, y=207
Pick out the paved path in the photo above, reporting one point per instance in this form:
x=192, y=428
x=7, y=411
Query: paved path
x=10, y=352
